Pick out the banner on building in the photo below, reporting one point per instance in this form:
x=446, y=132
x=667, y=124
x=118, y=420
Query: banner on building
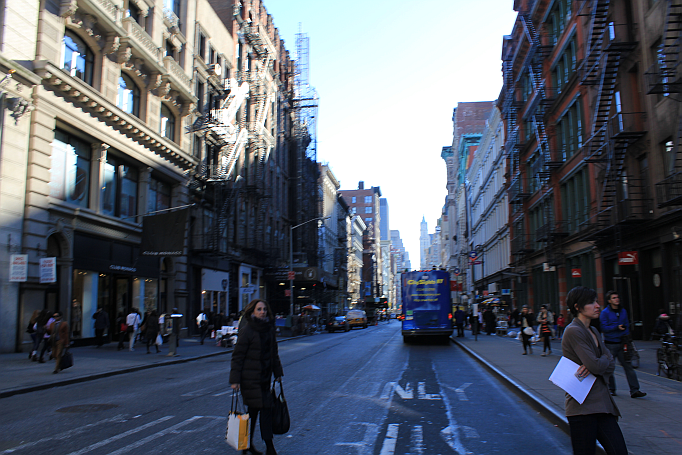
x=164, y=234
x=628, y=258
x=48, y=270
x=214, y=280
x=18, y=268
x=576, y=273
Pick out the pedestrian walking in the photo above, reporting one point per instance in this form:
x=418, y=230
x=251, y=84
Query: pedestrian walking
x=545, y=319
x=152, y=329
x=596, y=419
x=615, y=326
x=460, y=320
x=122, y=329
x=133, y=322
x=560, y=324
x=31, y=330
x=202, y=325
x=490, y=321
x=59, y=337
x=525, y=324
x=101, y=324
x=254, y=361
x=47, y=342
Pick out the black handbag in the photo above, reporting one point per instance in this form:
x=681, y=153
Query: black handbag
x=66, y=360
x=280, y=412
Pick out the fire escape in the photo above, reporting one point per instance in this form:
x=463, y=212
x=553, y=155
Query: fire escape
x=662, y=80
x=621, y=197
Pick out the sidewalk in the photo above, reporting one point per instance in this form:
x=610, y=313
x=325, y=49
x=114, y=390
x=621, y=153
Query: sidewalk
x=651, y=425
x=20, y=375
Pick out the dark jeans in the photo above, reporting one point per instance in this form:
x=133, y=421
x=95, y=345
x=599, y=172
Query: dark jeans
x=617, y=352
x=204, y=331
x=265, y=422
x=460, y=329
x=586, y=430
x=526, y=341
x=47, y=346
x=99, y=335
x=547, y=342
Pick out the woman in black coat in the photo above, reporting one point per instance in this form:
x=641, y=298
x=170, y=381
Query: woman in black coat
x=254, y=361
x=525, y=321
x=151, y=329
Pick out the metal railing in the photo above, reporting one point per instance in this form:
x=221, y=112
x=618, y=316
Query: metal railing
x=669, y=191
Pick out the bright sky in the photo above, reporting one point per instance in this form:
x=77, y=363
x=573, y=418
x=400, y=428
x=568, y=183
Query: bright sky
x=388, y=74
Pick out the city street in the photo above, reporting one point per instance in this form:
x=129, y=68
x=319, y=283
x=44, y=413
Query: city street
x=361, y=392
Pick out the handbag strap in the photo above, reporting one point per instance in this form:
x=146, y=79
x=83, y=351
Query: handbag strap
x=281, y=389
x=234, y=408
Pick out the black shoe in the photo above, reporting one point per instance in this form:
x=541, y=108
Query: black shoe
x=270, y=448
x=637, y=394
x=251, y=450
x=41, y=360
x=613, y=393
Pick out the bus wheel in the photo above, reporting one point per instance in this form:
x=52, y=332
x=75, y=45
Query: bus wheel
x=406, y=339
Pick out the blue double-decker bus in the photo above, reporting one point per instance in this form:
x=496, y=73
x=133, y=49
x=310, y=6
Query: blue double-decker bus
x=426, y=304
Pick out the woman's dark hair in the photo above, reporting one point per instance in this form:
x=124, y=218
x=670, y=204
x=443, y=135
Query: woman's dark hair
x=251, y=307
x=578, y=297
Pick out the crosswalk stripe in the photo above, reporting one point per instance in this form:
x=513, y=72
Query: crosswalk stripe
x=120, y=436
x=156, y=435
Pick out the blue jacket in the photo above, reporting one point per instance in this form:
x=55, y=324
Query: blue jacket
x=609, y=320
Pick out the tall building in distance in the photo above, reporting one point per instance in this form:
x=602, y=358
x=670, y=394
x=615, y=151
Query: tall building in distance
x=424, y=243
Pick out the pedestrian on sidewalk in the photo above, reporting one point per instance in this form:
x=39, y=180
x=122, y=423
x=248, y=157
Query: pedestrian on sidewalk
x=59, y=337
x=152, y=329
x=460, y=320
x=545, y=319
x=596, y=419
x=133, y=322
x=122, y=329
x=101, y=324
x=560, y=324
x=202, y=325
x=615, y=326
x=31, y=330
x=254, y=362
x=525, y=324
x=47, y=342
x=490, y=321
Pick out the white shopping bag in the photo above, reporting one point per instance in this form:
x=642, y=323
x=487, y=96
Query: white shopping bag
x=238, y=426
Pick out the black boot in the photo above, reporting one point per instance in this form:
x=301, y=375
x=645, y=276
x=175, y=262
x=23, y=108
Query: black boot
x=270, y=448
x=252, y=450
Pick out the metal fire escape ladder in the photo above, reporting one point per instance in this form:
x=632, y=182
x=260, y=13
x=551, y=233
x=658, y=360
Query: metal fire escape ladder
x=595, y=145
x=598, y=19
x=533, y=63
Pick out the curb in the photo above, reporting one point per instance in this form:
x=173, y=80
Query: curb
x=106, y=374
x=547, y=410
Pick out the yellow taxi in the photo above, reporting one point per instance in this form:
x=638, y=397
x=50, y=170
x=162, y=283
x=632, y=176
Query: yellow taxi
x=356, y=318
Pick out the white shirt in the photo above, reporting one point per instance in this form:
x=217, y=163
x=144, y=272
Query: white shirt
x=133, y=319
x=201, y=317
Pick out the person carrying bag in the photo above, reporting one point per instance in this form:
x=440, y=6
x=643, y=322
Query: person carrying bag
x=280, y=411
x=237, y=434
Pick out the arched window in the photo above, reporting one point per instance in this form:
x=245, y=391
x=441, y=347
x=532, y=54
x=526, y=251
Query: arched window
x=128, y=96
x=77, y=59
x=167, y=123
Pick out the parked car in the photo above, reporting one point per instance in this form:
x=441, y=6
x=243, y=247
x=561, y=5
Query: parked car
x=337, y=323
x=356, y=318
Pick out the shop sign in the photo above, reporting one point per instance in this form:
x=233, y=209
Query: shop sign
x=48, y=270
x=214, y=280
x=576, y=273
x=18, y=269
x=506, y=291
x=628, y=258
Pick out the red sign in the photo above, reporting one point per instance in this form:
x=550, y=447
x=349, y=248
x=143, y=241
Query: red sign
x=453, y=285
x=576, y=273
x=287, y=292
x=485, y=293
x=291, y=276
x=628, y=258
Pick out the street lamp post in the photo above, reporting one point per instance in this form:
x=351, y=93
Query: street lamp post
x=291, y=260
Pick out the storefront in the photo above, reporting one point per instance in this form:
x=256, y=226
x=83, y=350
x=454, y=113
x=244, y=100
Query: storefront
x=110, y=274
x=215, y=285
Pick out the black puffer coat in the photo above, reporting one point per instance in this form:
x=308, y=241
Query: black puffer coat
x=254, y=360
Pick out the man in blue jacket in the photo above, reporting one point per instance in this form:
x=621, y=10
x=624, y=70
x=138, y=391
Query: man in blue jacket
x=614, y=325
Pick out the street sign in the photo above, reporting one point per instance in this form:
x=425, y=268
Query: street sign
x=457, y=271
x=628, y=258
x=473, y=254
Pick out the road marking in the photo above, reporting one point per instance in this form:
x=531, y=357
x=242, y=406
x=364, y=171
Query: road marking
x=195, y=393
x=223, y=393
x=366, y=446
x=121, y=436
x=417, y=441
x=67, y=434
x=421, y=387
x=460, y=391
x=156, y=435
x=388, y=448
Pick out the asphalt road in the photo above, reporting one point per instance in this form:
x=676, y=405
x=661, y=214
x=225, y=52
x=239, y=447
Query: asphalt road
x=362, y=392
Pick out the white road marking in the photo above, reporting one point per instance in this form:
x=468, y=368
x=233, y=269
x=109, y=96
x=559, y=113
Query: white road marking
x=195, y=393
x=421, y=387
x=460, y=391
x=365, y=446
x=388, y=448
x=121, y=436
x=417, y=441
x=156, y=435
x=223, y=393
x=450, y=434
x=66, y=434
x=406, y=394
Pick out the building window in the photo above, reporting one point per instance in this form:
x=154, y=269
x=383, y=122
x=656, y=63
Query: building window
x=211, y=55
x=170, y=50
x=353, y=210
x=368, y=220
x=119, y=189
x=159, y=195
x=368, y=209
x=200, y=96
x=134, y=12
x=167, y=123
x=353, y=200
x=77, y=59
x=202, y=46
x=70, y=171
x=128, y=96
x=368, y=199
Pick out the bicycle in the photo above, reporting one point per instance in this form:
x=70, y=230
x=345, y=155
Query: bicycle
x=669, y=358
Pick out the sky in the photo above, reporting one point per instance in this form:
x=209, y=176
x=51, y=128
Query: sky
x=389, y=74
